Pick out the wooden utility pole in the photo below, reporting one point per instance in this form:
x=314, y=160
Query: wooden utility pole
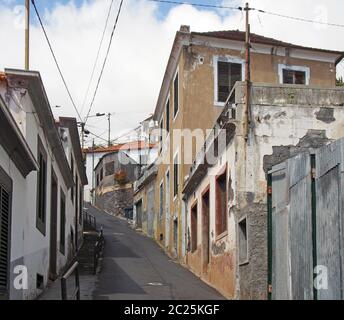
x=27, y=34
x=109, y=133
x=247, y=74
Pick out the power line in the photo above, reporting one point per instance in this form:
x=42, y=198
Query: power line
x=57, y=65
x=99, y=137
x=97, y=57
x=299, y=19
x=204, y=5
x=105, y=59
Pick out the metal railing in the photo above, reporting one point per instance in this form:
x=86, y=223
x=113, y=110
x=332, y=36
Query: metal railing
x=98, y=250
x=76, y=294
x=90, y=220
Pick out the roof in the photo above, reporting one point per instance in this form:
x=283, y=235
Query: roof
x=237, y=35
x=134, y=145
x=32, y=81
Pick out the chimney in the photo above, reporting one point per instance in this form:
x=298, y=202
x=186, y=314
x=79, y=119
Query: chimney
x=184, y=29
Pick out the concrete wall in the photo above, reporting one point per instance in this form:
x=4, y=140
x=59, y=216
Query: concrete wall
x=285, y=121
x=29, y=247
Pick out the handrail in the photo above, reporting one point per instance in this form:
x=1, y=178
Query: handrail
x=98, y=249
x=69, y=272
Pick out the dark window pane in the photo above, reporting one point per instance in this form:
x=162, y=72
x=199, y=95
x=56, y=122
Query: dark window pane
x=300, y=77
x=176, y=95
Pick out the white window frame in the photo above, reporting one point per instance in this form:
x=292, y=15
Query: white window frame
x=161, y=129
x=174, y=78
x=281, y=67
x=228, y=59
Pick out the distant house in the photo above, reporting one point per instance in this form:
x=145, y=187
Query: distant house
x=141, y=152
x=115, y=174
x=41, y=183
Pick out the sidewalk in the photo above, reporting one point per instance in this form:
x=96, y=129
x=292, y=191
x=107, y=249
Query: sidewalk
x=86, y=277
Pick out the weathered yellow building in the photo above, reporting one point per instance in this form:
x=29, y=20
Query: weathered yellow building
x=202, y=70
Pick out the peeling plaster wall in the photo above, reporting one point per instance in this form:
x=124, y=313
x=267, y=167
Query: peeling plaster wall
x=221, y=270
x=286, y=120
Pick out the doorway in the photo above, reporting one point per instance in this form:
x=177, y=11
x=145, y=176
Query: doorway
x=139, y=214
x=53, y=226
x=205, y=230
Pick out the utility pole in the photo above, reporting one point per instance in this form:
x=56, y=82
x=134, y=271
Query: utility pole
x=27, y=34
x=109, y=133
x=247, y=74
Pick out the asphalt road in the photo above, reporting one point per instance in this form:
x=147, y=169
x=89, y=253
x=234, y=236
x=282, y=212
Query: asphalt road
x=134, y=267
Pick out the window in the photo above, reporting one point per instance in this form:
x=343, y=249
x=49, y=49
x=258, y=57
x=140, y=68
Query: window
x=62, y=222
x=76, y=196
x=194, y=228
x=81, y=204
x=101, y=175
x=175, y=175
x=72, y=169
x=176, y=95
x=161, y=200
x=168, y=115
x=41, y=187
x=97, y=179
x=243, y=253
x=293, y=74
x=294, y=77
x=161, y=127
x=5, y=217
x=109, y=168
x=221, y=203
x=228, y=73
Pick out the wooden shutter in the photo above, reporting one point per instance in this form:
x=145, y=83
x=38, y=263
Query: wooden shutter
x=222, y=81
x=4, y=237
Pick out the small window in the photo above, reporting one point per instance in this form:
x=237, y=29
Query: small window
x=109, y=168
x=81, y=204
x=176, y=95
x=62, y=222
x=294, y=77
x=101, y=175
x=168, y=115
x=161, y=200
x=41, y=187
x=72, y=170
x=161, y=127
x=97, y=179
x=221, y=203
x=243, y=253
x=194, y=228
x=76, y=196
x=39, y=281
x=176, y=175
x=228, y=74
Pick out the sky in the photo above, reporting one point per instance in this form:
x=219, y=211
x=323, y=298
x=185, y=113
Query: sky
x=140, y=48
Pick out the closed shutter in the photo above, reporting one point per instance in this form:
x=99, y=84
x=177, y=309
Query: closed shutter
x=4, y=237
x=227, y=75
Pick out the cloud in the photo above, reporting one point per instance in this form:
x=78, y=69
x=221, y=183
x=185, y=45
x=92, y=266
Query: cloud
x=140, y=49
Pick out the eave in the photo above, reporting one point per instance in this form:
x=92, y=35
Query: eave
x=13, y=141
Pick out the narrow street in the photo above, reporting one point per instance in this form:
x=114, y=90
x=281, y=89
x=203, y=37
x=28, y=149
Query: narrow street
x=135, y=268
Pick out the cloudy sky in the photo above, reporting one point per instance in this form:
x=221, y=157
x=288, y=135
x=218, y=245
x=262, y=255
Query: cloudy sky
x=141, y=46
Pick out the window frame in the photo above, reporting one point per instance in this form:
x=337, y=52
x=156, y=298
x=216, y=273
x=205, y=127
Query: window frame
x=175, y=187
x=41, y=218
x=161, y=199
x=304, y=69
x=62, y=223
x=224, y=230
x=194, y=226
x=246, y=260
x=168, y=113
x=227, y=59
x=175, y=113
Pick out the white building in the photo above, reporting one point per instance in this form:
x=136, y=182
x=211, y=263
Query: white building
x=141, y=152
x=40, y=206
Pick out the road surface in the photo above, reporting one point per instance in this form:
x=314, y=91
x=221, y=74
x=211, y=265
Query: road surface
x=134, y=267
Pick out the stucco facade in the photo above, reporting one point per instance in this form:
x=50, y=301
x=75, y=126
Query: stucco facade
x=193, y=60
x=286, y=120
x=39, y=251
